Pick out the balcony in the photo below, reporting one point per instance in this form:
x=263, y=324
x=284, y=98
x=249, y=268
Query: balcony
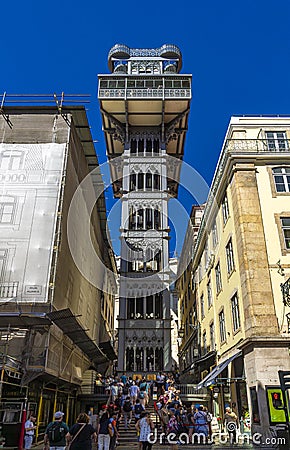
x=189, y=392
x=257, y=145
x=144, y=87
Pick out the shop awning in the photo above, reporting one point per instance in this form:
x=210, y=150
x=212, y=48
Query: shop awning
x=108, y=349
x=211, y=377
x=70, y=326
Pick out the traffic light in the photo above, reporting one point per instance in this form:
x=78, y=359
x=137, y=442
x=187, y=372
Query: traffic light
x=277, y=400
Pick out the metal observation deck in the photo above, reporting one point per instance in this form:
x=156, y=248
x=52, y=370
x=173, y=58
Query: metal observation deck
x=145, y=90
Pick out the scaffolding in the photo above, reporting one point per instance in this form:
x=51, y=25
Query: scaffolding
x=54, y=99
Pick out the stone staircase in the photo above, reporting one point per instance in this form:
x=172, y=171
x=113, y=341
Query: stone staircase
x=128, y=438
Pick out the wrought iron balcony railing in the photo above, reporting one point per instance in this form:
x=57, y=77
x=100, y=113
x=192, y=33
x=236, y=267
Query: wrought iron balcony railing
x=144, y=87
x=144, y=93
x=187, y=390
x=257, y=145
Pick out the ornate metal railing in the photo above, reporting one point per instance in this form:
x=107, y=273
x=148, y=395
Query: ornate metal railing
x=8, y=289
x=144, y=93
x=257, y=145
x=190, y=390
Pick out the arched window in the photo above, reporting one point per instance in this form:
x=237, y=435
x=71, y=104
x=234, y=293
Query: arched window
x=159, y=359
x=139, y=358
x=132, y=184
x=149, y=181
x=141, y=146
x=150, y=359
x=149, y=219
x=133, y=149
x=140, y=180
x=156, y=146
x=130, y=359
x=149, y=146
x=139, y=219
x=158, y=306
x=156, y=181
x=157, y=221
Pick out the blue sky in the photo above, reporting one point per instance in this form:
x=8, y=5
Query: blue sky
x=237, y=52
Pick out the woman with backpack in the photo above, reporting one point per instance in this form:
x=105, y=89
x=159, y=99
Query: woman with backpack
x=138, y=409
x=81, y=434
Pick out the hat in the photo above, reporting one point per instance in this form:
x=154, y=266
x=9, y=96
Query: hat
x=58, y=414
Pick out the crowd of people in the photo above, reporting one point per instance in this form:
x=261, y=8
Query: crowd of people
x=128, y=401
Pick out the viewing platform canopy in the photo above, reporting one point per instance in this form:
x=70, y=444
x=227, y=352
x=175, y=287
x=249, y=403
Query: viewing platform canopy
x=145, y=89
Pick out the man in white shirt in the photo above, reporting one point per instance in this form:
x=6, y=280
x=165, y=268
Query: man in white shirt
x=134, y=391
x=29, y=431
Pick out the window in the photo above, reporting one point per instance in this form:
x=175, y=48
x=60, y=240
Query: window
x=222, y=325
x=282, y=179
x=285, y=222
x=225, y=209
x=11, y=160
x=218, y=277
x=230, y=257
x=276, y=141
x=3, y=258
x=212, y=336
x=202, y=306
x=209, y=294
x=235, y=313
x=7, y=207
x=204, y=343
x=214, y=234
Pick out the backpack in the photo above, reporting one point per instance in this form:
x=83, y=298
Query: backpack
x=56, y=432
x=138, y=409
x=127, y=407
x=208, y=417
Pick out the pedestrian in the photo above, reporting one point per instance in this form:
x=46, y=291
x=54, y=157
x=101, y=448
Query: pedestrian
x=201, y=425
x=55, y=433
x=105, y=431
x=231, y=424
x=145, y=426
x=114, y=437
x=172, y=431
x=81, y=434
x=209, y=420
x=134, y=391
x=30, y=428
x=138, y=408
x=127, y=412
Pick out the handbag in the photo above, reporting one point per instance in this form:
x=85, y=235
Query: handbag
x=69, y=444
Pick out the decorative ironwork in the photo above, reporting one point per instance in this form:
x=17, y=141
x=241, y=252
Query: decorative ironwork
x=285, y=288
x=257, y=145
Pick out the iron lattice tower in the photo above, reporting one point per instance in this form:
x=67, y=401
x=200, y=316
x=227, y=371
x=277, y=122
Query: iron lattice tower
x=144, y=105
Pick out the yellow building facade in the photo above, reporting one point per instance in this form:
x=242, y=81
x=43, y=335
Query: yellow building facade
x=239, y=261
